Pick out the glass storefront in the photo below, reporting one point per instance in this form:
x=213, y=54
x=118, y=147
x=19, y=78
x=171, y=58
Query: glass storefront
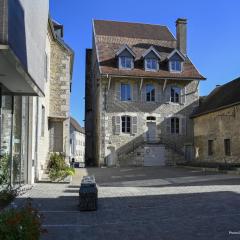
x=13, y=137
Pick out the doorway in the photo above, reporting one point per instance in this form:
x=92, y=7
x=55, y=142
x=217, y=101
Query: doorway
x=151, y=132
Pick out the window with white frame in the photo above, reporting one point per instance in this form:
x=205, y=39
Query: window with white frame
x=175, y=94
x=151, y=64
x=126, y=124
x=150, y=93
x=125, y=62
x=125, y=92
x=175, y=66
x=175, y=125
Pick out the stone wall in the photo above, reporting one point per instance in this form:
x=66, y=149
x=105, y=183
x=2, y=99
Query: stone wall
x=217, y=126
x=162, y=109
x=59, y=82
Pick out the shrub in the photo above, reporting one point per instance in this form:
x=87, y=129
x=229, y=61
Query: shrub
x=58, y=169
x=4, y=170
x=21, y=224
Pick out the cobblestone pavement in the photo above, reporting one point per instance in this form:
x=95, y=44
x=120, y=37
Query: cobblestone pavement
x=143, y=203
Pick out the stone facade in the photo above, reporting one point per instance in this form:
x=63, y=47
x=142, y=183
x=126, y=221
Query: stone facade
x=162, y=109
x=106, y=142
x=52, y=112
x=217, y=126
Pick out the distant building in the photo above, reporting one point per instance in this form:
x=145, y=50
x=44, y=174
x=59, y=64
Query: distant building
x=141, y=88
x=77, y=141
x=217, y=125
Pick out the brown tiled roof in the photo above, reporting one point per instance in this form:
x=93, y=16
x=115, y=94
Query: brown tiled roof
x=133, y=30
x=220, y=98
x=76, y=125
x=110, y=36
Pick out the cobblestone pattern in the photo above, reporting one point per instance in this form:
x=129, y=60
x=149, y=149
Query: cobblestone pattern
x=181, y=205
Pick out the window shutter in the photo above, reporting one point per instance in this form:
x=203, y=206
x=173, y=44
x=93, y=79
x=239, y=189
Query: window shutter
x=183, y=126
x=183, y=95
x=134, y=92
x=158, y=93
x=118, y=91
x=167, y=94
x=134, y=125
x=168, y=125
x=117, y=125
x=143, y=93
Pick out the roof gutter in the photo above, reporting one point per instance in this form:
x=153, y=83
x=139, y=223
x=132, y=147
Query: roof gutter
x=144, y=77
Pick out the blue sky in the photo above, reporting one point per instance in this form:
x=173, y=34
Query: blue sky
x=213, y=34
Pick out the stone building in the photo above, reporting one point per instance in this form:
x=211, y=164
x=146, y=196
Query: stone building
x=217, y=125
x=53, y=110
x=77, y=142
x=141, y=88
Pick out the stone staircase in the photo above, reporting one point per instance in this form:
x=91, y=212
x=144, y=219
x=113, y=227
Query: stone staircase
x=133, y=154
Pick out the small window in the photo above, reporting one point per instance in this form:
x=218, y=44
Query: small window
x=125, y=62
x=150, y=93
x=150, y=118
x=210, y=147
x=175, y=66
x=126, y=92
x=227, y=147
x=126, y=124
x=151, y=64
x=175, y=94
x=175, y=125
x=43, y=122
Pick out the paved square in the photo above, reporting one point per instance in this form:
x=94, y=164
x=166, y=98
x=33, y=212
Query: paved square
x=143, y=203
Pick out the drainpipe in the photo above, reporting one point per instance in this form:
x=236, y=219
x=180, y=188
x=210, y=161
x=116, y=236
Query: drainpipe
x=36, y=177
x=11, y=144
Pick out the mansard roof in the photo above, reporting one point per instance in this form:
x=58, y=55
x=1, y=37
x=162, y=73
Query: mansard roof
x=220, y=98
x=110, y=36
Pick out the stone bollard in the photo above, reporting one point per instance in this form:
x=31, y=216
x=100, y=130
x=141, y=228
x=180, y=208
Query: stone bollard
x=88, y=194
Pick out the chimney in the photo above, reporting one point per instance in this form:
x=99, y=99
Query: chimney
x=181, y=28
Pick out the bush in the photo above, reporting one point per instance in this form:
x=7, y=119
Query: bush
x=5, y=170
x=58, y=169
x=21, y=224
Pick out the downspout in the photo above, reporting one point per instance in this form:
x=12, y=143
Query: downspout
x=11, y=144
x=36, y=177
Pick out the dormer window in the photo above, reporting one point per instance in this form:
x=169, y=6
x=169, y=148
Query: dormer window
x=125, y=62
x=125, y=58
x=175, y=66
x=176, y=60
x=151, y=64
x=151, y=58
